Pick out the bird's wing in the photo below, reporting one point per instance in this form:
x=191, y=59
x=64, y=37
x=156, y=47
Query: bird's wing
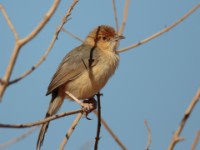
x=72, y=66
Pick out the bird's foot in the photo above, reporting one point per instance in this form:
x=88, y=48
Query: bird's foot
x=89, y=106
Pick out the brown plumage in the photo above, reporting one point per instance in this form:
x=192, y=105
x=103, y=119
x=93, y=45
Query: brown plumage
x=84, y=70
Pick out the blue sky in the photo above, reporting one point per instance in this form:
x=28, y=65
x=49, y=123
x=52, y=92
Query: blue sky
x=154, y=82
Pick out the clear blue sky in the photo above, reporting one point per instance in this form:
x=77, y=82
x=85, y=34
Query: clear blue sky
x=155, y=81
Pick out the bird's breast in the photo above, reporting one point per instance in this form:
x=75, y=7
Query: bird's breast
x=93, y=80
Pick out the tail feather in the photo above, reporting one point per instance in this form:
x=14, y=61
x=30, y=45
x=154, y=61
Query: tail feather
x=54, y=106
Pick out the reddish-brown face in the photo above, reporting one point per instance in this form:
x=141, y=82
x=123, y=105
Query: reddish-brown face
x=104, y=37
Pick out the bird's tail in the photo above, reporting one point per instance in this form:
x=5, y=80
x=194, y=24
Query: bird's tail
x=54, y=106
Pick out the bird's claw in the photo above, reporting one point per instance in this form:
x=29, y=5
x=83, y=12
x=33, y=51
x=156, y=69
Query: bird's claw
x=88, y=106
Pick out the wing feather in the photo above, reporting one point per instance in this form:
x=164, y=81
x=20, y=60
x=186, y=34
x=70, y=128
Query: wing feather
x=72, y=66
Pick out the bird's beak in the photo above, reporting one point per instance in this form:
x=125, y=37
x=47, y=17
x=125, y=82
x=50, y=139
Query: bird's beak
x=119, y=37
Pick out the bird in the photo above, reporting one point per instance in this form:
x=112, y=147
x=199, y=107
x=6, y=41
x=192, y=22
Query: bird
x=84, y=71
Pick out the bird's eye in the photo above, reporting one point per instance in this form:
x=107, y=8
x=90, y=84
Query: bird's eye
x=104, y=38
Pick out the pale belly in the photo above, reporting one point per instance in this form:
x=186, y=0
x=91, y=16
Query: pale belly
x=87, y=85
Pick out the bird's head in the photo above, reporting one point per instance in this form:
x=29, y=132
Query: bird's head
x=103, y=37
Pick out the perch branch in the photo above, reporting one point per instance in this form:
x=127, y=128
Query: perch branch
x=98, y=122
x=162, y=31
x=114, y=136
x=27, y=125
x=176, y=137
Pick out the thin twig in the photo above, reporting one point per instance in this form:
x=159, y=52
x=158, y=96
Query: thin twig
x=196, y=140
x=149, y=135
x=55, y=36
x=17, y=139
x=162, y=31
x=70, y=131
x=12, y=28
x=98, y=122
x=74, y=98
x=115, y=15
x=176, y=137
x=27, y=125
x=114, y=136
x=124, y=17
x=73, y=35
x=21, y=42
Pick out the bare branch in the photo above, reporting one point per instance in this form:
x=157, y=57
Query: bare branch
x=55, y=36
x=162, y=31
x=149, y=135
x=114, y=136
x=124, y=17
x=98, y=122
x=41, y=24
x=19, y=43
x=73, y=35
x=17, y=139
x=12, y=28
x=115, y=15
x=87, y=105
x=176, y=137
x=70, y=131
x=196, y=140
x=27, y=125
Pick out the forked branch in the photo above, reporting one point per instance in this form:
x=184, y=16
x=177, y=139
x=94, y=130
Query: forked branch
x=21, y=42
x=55, y=36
